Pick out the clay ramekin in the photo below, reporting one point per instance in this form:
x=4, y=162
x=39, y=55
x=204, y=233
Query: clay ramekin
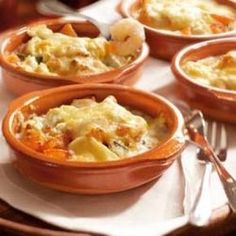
x=94, y=178
x=165, y=44
x=20, y=82
x=216, y=103
x=231, y=3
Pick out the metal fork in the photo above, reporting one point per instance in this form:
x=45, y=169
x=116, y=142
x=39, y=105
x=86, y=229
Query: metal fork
x=214, y=130
x=195, y=123
x=202, y=209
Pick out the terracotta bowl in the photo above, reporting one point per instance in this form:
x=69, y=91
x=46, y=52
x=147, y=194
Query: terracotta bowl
x=94, y=178
x=231, y=3
x=219, y=104
x=19, y=81
x=164, y=44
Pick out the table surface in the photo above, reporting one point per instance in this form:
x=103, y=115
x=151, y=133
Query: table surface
x=18, y=223
x=14, y=222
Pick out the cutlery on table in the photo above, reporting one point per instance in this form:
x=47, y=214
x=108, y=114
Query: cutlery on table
x=54, y=7
x=201, y=212
x=195, y=126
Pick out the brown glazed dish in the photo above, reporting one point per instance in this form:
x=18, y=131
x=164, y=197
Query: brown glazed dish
x=102, y=177
x=20, y=82
x=216, y=103
x=165, y=45
x=231, y=3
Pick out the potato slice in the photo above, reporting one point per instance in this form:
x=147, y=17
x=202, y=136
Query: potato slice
x=90, y=150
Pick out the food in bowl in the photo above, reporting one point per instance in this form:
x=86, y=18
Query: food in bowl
x=216, y=103
x=64, y=53
x=95, y=177
x=187, y=17
x=218, y=71
x=18, y=81
x=91, y=131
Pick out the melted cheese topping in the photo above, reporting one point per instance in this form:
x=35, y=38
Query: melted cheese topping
x=90, y=131
x=218, y=71
x=188, y=17
x=58, y=54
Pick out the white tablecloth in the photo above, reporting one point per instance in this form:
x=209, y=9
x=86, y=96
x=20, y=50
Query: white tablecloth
x=152, y=209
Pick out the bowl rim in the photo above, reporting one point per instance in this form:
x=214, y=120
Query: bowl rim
x=181, y=75
x=104, y=77
x=125, y=6
x=176, y=140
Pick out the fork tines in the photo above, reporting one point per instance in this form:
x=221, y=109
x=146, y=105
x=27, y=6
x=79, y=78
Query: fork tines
x=217, y=137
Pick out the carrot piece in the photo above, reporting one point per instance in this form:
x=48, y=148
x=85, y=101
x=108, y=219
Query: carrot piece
x=59, y=154
x=52, y=143
x=144, y=17
x=32, y=139
x=13, y=58
x=33, y=144
x=122, y=130
x=186, y=31
x=111, y=47
x=67, y=29
x=59, y=141
x=225, y=20
x=217, y=28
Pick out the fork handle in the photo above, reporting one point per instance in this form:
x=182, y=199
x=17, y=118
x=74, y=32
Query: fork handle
x=227, y=181
x=201, y=212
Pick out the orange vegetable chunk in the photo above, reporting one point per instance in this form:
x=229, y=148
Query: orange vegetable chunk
x=225, y=20
x=67, y=29
x=56, y=153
